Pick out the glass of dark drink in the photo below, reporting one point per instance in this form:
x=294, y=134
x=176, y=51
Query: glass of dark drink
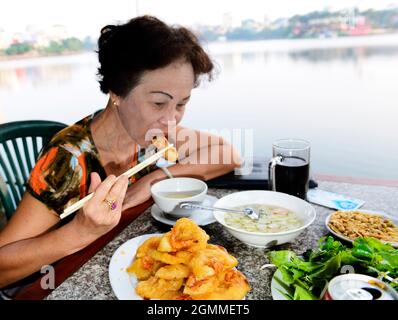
x=289, y=167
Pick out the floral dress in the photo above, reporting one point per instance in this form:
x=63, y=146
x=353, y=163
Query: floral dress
x=61, y=175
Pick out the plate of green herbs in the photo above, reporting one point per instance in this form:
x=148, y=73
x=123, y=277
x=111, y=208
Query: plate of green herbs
x=306, y=277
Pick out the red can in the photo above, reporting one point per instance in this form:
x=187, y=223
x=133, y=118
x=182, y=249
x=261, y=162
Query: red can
x=354, y=286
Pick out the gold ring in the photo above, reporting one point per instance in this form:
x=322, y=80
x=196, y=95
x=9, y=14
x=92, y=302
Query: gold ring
x=111, y=203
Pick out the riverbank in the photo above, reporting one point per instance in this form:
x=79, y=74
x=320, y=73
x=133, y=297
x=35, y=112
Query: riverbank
x=280, y=44
x=33, y=55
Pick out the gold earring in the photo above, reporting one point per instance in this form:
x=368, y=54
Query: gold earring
x=114, y=103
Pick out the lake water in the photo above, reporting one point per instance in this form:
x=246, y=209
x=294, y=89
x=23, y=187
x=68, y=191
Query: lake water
x=340, y=94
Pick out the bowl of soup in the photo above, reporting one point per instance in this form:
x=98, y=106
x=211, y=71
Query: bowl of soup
x=169, y=193
x=282, y=217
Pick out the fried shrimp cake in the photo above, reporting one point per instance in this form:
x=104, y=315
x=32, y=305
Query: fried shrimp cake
x=170, y=257
x=177, y=271
x=187, y=235
x=175, y=295
x=149, y=244
x=161, y=143
x=155, y=288
x=211, y=261
x=144, y=267
x=165, y=245
x=232, y=285
x=194, y=286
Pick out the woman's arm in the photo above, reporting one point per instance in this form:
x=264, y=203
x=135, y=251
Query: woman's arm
x=201, y=155
x=26, y=244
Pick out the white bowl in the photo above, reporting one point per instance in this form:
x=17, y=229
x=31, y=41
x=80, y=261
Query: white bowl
x=305, y=212
x=170, y=205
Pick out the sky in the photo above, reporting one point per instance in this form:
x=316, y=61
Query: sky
x=86, y=17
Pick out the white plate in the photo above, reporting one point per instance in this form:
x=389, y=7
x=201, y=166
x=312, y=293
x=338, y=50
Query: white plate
x=201, y=217
x=123, y=284
x=379, y=213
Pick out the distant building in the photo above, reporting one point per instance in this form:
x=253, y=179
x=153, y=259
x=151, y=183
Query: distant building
x=5, y=39
x=360, y=28
x=58, y=32
x=279, y=23
x=227, y=22
x=266, y=22
x=251, y=24
x=17, y=37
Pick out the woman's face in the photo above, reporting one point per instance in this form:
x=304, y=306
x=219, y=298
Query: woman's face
x=157, y=102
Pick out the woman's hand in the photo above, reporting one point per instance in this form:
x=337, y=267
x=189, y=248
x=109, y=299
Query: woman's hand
x=96, y=217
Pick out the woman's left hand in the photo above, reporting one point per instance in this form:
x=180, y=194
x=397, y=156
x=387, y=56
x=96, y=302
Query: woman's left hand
x=138, y=193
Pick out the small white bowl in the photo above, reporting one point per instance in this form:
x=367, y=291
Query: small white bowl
x=305, y=212
x=170, y=205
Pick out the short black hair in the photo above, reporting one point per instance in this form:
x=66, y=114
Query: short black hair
x=145, y=43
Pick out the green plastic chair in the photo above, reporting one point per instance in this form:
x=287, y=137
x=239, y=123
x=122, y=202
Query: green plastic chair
x=20, y=145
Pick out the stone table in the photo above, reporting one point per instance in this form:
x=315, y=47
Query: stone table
x=91, y=281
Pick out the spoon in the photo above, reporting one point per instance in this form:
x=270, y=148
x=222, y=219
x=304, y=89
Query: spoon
x=246, y=211
x=162, y=163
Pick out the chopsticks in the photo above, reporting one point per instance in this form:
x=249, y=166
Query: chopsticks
x=79, y=204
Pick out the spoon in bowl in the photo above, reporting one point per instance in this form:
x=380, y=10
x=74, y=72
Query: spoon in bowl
x=250, y=212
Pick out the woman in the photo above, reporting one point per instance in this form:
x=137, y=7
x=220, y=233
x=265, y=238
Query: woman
x=148, y=69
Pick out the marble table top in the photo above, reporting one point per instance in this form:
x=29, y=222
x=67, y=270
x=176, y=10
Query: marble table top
x=91, y=281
